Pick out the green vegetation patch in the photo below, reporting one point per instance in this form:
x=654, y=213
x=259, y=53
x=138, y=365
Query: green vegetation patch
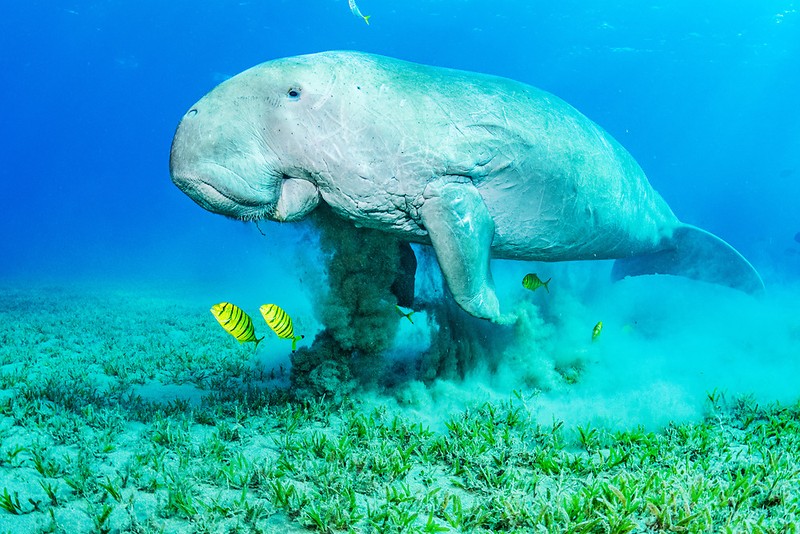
x=81, y=451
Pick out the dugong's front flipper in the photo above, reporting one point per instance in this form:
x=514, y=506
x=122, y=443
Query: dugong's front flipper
x=461, y=232
x=695, y=253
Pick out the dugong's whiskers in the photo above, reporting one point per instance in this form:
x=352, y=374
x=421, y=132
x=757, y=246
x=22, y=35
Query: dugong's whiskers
x=257, y=213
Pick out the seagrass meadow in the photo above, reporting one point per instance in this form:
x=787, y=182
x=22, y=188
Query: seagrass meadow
x=131, y=411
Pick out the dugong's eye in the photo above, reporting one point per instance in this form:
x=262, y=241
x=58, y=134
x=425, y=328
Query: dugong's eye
x=293, y=94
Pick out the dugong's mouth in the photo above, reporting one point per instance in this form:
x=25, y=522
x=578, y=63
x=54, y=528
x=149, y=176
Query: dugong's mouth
x=232, y=197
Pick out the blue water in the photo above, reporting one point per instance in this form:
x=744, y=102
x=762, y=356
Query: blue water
x=703, y=94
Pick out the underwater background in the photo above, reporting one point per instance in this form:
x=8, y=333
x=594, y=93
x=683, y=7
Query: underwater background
x=703, y=95
x=105, y=261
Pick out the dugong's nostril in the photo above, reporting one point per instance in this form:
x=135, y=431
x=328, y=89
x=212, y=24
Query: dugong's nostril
x=191, y=113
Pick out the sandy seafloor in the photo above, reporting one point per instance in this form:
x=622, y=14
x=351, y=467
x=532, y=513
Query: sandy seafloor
x=125, y=408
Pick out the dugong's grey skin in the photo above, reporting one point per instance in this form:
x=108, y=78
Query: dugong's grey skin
x=478, y=166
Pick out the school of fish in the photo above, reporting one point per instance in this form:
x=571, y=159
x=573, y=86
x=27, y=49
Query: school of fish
x=238, y=324
x=533, y=282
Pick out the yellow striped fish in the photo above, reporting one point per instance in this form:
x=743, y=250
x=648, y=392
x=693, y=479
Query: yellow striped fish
x=280, y=322
x=533, y=282
x=596, y=330
x=236, y=322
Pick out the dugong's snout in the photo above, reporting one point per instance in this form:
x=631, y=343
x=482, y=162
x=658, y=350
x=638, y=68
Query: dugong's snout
x=222, y=173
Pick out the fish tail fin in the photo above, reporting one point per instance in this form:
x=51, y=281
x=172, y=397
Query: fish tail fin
x=258, y=340
x=404, y=314
x=697, y=254
x=545, y=284
x=366, y=19
x=295, y=339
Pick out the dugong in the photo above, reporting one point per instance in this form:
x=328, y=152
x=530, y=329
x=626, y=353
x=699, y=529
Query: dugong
x=477, y=166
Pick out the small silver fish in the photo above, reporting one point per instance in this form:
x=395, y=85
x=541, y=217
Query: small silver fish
x=357, y=12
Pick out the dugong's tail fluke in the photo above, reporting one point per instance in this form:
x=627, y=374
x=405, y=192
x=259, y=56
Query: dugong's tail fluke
x=695, y=254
